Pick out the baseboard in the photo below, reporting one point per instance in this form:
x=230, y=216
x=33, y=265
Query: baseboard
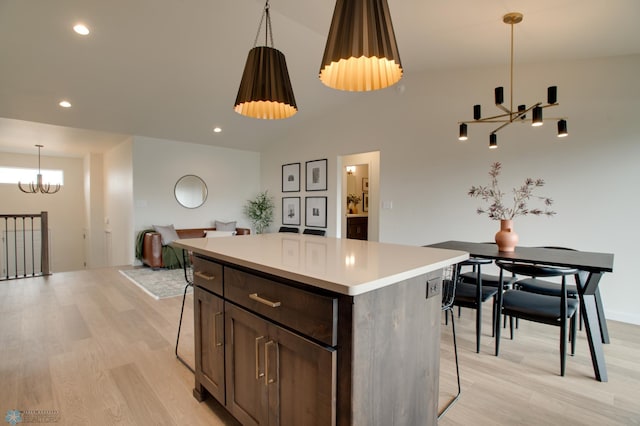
x=623, y=317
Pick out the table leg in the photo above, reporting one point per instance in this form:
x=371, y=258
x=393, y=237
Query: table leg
x=601, y=319
x=591, y=320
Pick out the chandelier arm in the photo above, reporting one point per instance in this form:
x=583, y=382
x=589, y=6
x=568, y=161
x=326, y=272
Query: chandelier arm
x=485, y=121
x=493, y=117
x=502, y=127
x=505, y=109
x=26, y=191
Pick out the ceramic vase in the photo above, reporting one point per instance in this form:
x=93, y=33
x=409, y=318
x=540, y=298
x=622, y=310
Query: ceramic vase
x=506, y=238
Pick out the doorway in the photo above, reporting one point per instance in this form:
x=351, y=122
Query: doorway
x=358, y=209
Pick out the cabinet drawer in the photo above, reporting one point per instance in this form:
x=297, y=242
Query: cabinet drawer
x=207, y=274
x=311, y=314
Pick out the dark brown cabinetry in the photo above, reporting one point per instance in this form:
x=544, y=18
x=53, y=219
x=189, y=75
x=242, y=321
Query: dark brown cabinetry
x=276, y=377
x=278, y=352
x=209, y=344
x=358, y=228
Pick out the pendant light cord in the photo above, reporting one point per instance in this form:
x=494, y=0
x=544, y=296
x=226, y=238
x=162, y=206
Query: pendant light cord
x=268, y=33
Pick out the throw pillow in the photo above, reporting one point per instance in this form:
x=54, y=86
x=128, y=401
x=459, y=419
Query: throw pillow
x=215, y=234
x=167, y=233
x=225, y=226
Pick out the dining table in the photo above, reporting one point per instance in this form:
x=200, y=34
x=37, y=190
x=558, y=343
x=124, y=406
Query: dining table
x=592, y=266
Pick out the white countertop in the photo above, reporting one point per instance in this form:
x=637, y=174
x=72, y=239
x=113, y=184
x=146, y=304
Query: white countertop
x=345, y=266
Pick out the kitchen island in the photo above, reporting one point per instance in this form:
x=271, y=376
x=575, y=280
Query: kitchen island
x=299, y=329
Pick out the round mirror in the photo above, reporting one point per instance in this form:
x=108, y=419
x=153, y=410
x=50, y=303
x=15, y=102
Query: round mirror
x=190, y=191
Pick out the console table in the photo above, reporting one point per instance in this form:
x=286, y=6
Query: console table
x=593, y=265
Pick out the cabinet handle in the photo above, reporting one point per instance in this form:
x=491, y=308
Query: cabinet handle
x=273, y=377
x=258, y=373
x=254, y=296
x=216, y=325
x=204, y=276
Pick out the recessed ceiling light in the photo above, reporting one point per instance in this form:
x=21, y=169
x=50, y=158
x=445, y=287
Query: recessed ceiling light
x=65, y=104
x=217, y=129
x=81, y=29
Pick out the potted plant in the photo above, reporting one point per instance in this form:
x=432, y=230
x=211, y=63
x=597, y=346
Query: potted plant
x=506, y=238
x=260, y=211
x=352, y=201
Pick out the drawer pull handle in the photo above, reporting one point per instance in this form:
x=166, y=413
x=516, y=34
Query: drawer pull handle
x=259, y=373
x=204, y=276
x=254, y=296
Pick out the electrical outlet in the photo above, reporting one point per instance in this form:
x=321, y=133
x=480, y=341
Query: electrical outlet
x=433, y=287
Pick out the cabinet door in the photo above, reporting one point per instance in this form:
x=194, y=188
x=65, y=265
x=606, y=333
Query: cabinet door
x=246, y=335
x=209, y=344
x=301, y=380
x=275, y=377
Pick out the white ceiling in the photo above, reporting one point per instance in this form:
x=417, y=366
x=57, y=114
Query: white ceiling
x=171, y=68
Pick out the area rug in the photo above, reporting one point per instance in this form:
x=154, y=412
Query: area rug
x=159, y=283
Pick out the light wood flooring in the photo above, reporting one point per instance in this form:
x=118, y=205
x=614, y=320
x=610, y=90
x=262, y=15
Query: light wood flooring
x=94, y=347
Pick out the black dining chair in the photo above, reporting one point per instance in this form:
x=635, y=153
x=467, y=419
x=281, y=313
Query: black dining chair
x=539, y=308
x=549, y=288
x=474, y=295
x=289, y=229
x=320, y=232
x=449, y=283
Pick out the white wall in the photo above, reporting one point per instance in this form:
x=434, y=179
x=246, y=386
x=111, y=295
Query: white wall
x=94, y=211
x=66, y=208
x=425, y=171
x=232, y=177
x=118, y=204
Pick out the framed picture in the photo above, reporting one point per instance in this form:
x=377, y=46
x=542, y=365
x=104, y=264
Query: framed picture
x=316, y=175
x=365, y=184
x=291, y=210
x=291, y=177
x=365, y=201
x=316, y=212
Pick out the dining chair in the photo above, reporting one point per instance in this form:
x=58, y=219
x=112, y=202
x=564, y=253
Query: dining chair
x=536, y=307
x=289, y=229
x=549, y=288
x=449, y=283
x=474, y=295
x=320, y=232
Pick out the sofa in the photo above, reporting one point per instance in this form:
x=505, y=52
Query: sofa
x=152, y=253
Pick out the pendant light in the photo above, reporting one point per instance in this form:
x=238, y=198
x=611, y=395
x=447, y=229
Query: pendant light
x=265, y=90
x=511, y=115
x=38, y=186
x=361, y=53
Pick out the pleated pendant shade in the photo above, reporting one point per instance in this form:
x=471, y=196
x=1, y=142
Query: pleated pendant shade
x=265, y=89
x=361, y=53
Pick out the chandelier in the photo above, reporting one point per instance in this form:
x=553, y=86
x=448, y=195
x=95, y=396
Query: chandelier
x=510, y=114
x=38, y=186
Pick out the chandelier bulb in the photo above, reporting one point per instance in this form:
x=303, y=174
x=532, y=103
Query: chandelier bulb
x=493, y=141
x=463, y=132
x=552, y=95
x=537, y=116
x=562, y=128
